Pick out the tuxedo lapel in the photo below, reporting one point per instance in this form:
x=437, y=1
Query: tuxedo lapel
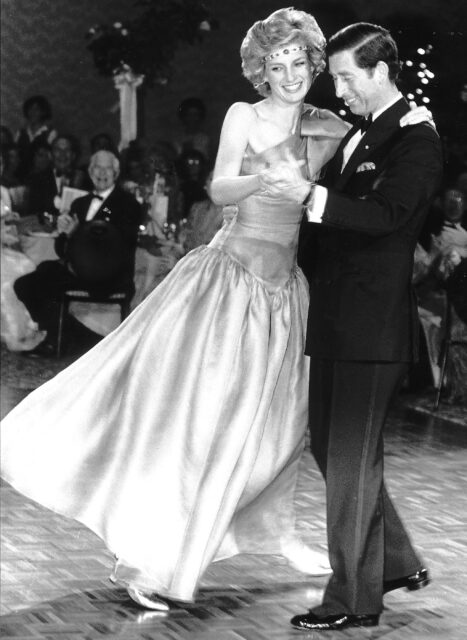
x=334, y=168
x=83, y=205
x=380, y=131
x=108, y=206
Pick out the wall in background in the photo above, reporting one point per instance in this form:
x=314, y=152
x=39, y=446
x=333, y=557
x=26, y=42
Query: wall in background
x=43, y=51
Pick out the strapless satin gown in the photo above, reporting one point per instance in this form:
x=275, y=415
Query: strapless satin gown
x=177, y=438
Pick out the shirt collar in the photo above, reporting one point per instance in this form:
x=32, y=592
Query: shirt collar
x=32, y=135
x=396, y=98
x=105, y=194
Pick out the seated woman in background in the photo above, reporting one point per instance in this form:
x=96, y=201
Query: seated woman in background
x=37, y=113
x=204, y=220
x=18, y=331
x=192, y=171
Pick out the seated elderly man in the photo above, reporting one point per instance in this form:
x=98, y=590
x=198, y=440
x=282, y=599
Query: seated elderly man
x=109, y=204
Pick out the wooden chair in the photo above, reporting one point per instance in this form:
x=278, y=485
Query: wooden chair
x=444, y=355
x=99, y=256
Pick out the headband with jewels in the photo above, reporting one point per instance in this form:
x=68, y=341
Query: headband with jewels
x=286, y=51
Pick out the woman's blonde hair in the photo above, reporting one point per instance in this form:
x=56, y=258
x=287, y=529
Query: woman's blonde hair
x=280, y=28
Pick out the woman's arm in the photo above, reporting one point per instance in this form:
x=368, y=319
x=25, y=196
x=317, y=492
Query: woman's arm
x=228, y=187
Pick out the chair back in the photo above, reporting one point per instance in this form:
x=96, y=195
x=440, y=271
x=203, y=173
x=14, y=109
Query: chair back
x=98, y=253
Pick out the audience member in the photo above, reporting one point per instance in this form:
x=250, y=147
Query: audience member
x=18, y=331
x=41, y=157
x=161, y=161
x=461, y=185
x=451, y=233
x=192, y=172
x=101, y=141
x=204, y=220
x=192, y=116
x=6, y=137
x=11, y=176
x=133, y=166
x=37, y=113
x=453, y=272
x=45, y=188
x=109, y=205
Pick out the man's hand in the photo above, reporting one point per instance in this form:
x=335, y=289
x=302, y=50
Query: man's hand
x=285, y=180
x=417, y=115
x=66, y=223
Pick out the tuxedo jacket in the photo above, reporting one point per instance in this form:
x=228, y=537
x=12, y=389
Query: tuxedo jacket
x=42, y=192
x=120, y=209
x=359, y=259
x=43, y=189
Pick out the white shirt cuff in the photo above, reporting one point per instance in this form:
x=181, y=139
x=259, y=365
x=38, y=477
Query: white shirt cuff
x=315, y=210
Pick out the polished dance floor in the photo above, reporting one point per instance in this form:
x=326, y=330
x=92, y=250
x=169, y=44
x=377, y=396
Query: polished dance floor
x=54, y=572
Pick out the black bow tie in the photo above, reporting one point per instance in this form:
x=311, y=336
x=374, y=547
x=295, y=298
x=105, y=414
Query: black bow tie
x=96, y=195
x=365, y=123
x=62, y=174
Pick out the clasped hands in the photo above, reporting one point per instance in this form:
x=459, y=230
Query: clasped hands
x=66, y=223
x=285, y=180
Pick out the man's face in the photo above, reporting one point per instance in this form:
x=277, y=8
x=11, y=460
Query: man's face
x=62, y=154
x=359, y=88
x=453, y=205
x=102, y=172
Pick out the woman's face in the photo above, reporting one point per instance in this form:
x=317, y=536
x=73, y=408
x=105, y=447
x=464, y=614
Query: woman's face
x=35, y=114
x=289, y=73
x=42, y=159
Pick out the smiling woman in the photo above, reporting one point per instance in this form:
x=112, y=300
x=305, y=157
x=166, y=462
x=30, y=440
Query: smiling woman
x=208, y=471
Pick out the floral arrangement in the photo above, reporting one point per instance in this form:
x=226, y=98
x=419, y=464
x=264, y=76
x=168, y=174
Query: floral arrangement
x=146, y=44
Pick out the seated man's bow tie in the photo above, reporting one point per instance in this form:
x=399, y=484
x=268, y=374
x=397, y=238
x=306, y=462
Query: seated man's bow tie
x=96, y=195
x=365, y=123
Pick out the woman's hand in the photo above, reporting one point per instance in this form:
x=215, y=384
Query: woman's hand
x=66, y=223
x=285, y=180
x=417, y=115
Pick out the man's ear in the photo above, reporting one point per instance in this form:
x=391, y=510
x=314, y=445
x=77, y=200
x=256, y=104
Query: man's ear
x=381, y=72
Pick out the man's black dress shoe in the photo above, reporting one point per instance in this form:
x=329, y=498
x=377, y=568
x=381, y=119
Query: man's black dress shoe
x=311, y=622
x=45, y=349
x=413, y=582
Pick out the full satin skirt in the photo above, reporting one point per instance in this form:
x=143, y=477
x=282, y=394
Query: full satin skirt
x=177, y=438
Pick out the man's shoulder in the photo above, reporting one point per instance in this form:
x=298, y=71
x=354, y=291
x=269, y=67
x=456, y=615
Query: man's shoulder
x=123, y=198
x=421, y=130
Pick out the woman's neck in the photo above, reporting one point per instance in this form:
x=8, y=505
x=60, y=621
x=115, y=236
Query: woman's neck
x=284, y=117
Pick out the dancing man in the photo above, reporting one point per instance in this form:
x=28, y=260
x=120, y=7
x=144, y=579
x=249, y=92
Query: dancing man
x=357, y=251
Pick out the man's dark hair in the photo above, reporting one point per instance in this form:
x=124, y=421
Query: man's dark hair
x=41, y=102
x=192, y=103
x=73, y=140
x=370, y=44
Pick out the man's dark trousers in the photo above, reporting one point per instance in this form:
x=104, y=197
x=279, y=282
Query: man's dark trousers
x=348, y=406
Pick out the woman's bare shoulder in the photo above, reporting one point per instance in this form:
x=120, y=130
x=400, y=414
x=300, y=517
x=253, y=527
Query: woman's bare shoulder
x=242, y=111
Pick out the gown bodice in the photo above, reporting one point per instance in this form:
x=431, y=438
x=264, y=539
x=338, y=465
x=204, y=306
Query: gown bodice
x=263, y=237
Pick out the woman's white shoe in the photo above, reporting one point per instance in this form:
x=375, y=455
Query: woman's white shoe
x=305, y=560
x=147, y=599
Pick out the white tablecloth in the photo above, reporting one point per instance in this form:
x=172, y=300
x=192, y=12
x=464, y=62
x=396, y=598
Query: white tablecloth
x=102, y=318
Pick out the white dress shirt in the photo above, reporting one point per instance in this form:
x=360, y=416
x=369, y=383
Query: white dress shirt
x=96, y=203
x=316, y=208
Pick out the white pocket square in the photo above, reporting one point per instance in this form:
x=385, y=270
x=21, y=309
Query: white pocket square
x=366, y=166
